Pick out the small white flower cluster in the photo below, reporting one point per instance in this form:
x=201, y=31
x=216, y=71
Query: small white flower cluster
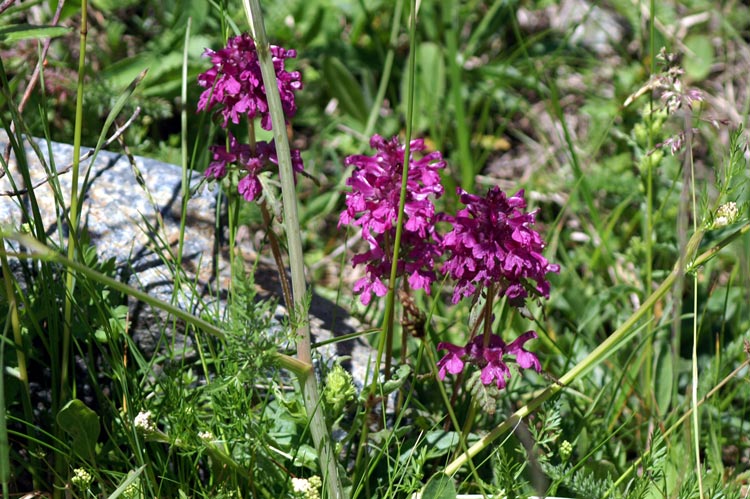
x=307, y=488
x=206, y=436
x=725, y=215
x=144, y=422
x=81, y=479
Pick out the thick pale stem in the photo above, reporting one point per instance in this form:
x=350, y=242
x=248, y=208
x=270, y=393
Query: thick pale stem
x=318, y=427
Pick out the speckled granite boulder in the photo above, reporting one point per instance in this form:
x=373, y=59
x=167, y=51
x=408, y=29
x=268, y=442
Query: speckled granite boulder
x=127, y=221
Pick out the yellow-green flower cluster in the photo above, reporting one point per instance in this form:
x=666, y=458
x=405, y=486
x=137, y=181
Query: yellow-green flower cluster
x=339, y=389
x=81, y=479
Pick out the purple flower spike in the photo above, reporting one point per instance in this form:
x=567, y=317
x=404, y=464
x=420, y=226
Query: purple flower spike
x=373, y=205
x=235, y=84
x=251, y=164
x=492, y=242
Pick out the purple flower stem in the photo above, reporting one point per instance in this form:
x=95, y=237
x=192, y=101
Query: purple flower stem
x=487, y=332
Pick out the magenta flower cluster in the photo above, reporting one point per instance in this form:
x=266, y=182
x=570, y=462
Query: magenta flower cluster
x=491, y=243
x=253, y=161
x=234, y=83
x=373, y=205
x=491, y=359
x=234, y=91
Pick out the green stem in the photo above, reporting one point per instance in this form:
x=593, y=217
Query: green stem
x=60, y=461
x=391, y=298
x=387, y=68
x=74, y=204
x=4, y=443
x=648, y=229
x=637, y=463
x=696, y=420
x=318, y=426
x=385, y=342
x=466, y=163
x=15, y=325
x=184, y=146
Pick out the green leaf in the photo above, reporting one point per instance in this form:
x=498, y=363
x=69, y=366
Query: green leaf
x=19, y=32
x=429, y=91
x=699, y=57
x=440, y=442
x=82, y=424
x=345, y=88
x=132, y=477
x=663, y=379
x=398, y=380
x=440, y=486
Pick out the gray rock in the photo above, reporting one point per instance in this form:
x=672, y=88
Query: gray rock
x=594, y=27
x=137, y=224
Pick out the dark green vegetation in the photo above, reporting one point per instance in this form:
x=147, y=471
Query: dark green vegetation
x=513, y=96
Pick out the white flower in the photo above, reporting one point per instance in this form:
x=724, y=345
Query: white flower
x=206, y=436
x=144, y=422
x=307, y=488
x=725, y=215
x=300, y=485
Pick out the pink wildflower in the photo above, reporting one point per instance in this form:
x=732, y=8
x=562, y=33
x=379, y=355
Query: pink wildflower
x=373, y=205
x=235, y=83
x=251, y=164
x=492, y=242
x=490, y=359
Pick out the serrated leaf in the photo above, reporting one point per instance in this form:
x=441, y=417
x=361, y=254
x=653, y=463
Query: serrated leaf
x=484, y=395
x=10, y=34
x=440, y=486
x=82, y=424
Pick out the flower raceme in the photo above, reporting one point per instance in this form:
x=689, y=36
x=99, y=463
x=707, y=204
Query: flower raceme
x=373, y=205
x=235, y=84
x=234, y=90
x=491, y=243
x=250, y=161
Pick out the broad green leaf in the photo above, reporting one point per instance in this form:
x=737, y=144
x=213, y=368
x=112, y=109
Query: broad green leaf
x=429, y=90
x=440, y=486
x=345, y=88
x=19, y=32
x=441, y=442
x=663, y=379
x=398, y=380
x=82, y=424
x=699, y=57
